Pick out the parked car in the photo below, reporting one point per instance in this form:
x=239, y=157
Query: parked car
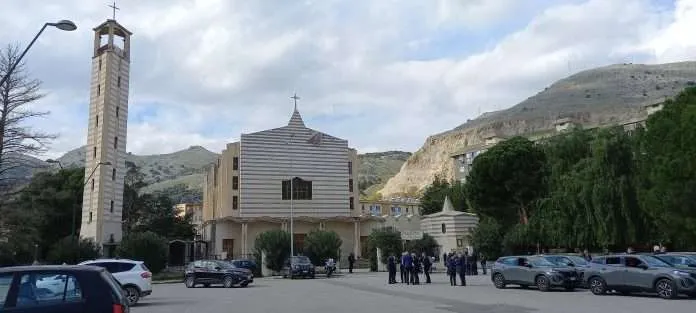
x=532, y=271
x=134, y=276
x=577, y=262
x=243, y=263
x=298, y=266
x=60, y=289
x=208, y=272
x=627, y=273
x=679, y=259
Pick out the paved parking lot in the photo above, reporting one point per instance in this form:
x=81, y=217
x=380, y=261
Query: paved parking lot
x=360, y=293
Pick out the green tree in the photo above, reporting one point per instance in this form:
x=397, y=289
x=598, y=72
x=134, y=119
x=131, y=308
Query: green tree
x=146, y=246
x=388, y=240
x=433, y=197
x=487, y=237
x=506, y=180
x=426, y=244
x=158, y=215
x=68, y=250
x=667, y=185
x=320, y=245
x=276, y=245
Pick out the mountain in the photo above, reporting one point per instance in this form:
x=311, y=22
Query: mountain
x=180, y=174
x=597, y=97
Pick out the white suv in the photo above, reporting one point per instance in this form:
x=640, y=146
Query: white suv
x=134, y=276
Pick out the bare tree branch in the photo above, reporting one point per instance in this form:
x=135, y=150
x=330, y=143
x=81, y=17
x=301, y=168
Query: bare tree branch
x=17, y=139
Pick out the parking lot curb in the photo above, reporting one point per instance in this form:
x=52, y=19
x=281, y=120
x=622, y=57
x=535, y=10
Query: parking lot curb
x=170, y=281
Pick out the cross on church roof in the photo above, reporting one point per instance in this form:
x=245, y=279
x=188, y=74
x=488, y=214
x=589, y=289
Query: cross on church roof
x=114, y=8
x=295, y=97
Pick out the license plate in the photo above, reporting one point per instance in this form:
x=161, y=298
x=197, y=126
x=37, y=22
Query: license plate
x=304, y=272
x=572, y=278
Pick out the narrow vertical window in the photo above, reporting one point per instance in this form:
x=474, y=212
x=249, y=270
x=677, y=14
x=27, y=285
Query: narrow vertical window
x=94, y=152
x=92, y=184
x=113, y=174
x=111, y=206
x=97, y=124
x=235, y=202
x=235, y=163
x=115, y=142
x=99, y=89
x=352, y=205
x=350, y=168
x=100, y=61
x=117, y=109
x=118, y=82
x=235, y=182
x=90, y=217
x=350, y=185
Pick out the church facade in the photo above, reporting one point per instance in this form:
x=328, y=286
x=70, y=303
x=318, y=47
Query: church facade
x=259, y=180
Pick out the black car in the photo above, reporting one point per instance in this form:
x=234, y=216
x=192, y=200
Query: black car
x=298, y=266
x=208, y=272
x=248, y=264
x=63, y=288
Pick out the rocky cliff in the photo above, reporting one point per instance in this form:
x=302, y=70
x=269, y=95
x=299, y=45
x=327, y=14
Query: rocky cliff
x=603, y=96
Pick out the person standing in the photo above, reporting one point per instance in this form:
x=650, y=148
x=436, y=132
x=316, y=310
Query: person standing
x=408, y=267
x=427, y=264
x=351, y=261
x=402, y=268
x=416, y=269
x=461, y=266
x=391, y=268
x=482, y=258
x=452, y=269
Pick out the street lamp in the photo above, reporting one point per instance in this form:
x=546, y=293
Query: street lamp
x=292, y=234
x=65, y=25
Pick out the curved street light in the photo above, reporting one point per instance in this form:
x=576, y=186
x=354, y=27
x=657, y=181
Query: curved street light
x=65, y=25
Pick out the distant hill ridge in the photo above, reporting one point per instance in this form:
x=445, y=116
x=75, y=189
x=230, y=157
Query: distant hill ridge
x=596, y=97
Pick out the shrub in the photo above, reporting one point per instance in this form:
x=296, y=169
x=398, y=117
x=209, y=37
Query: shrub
x=68, y=250
x=321, y=245
x=147, y=247
x=388, y=240
x=427, y=244
x=276, y=244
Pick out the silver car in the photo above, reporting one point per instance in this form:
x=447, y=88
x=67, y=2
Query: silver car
x=532, y=271
x=628, y=273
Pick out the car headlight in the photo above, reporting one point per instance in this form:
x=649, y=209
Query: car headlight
x=295, y=266
x=680, y=273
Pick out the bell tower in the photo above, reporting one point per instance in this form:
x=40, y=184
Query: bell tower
x=102, y=202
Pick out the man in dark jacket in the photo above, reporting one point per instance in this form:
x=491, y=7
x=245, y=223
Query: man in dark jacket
x=427, y=264
x=402, y=268
x=482, y=257
x=351, y=261
x=452, y=269
x=416, y=269
x=391, y=267
x=461, y=267
x=407, y=261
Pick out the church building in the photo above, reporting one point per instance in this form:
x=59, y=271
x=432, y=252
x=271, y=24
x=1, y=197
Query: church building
x=258, y=181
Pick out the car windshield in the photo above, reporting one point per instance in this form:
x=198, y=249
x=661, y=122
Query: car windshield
x=541, y=262
x=576, y=260
x=655, y=262
x=224, y=264
x=300, y=260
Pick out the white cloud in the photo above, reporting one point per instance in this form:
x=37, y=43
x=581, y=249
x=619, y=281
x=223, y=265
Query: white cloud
x=212, y=69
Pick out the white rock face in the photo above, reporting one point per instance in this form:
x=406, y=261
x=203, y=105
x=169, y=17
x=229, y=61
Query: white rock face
x=609, y=95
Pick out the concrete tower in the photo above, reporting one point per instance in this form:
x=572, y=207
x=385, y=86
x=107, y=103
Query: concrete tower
x=106, y=137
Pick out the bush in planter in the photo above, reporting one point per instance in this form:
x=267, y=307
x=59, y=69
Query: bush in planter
x=321, y=245
x=276, y=245
x=147, y=247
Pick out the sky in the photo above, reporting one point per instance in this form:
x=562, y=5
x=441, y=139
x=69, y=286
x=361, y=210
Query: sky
x=383, y=74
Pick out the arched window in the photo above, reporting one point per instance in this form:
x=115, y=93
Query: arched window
x=444, y=228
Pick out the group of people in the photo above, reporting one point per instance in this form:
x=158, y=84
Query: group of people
x=411, y=265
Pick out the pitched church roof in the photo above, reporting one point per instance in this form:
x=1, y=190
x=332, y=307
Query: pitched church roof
x=448, y=210
x=296, y=120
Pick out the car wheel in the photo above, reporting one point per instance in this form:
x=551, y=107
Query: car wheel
x=692, y=295
x=190, y=282
x=542, y=283
x=499, y=281
x=228, y=282
x=132, y=294
x=244, y=284
x=597, y=286
x=666, y=289
x=206, y=285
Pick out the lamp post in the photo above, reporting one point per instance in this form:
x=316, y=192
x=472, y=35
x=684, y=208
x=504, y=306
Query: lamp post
x=292, y=234
x=62, y=25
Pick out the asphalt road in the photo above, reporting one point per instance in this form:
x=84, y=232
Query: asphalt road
x=360, y=293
